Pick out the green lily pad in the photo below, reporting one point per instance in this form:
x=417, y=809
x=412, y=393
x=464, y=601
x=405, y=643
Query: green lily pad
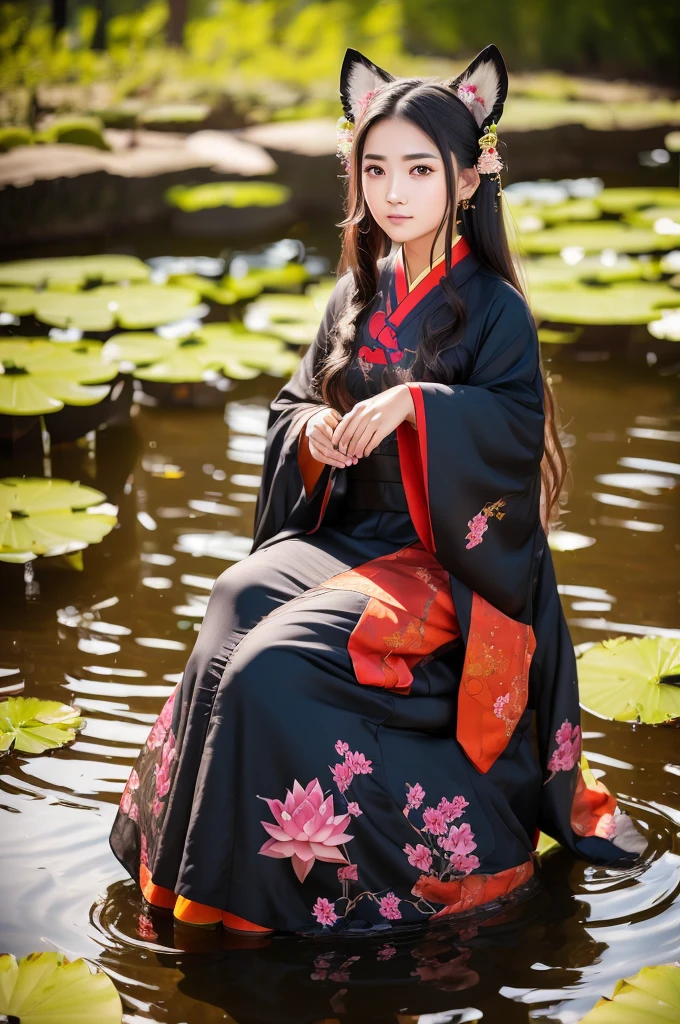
x=549, y=337
x=623, y=200
x=554, y=272
x=228, y=349
x=100, y=309
x=546, y=844
x=38, y=377
x=43, y=988
x=46, y=517
x=593, y=238
x=236, y=194
x=292, y=318
x=73, y=271
x=631, y=679
x=558, y=213
x=652, y=996
x=18, y=301
x=33, y=726
x=222, y=294
x=635, y=303
x=651, y=214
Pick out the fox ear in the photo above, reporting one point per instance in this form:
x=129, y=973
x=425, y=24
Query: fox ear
x=483, y=86
x=359, y=77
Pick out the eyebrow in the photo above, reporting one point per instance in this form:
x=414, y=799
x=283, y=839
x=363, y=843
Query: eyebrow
x=409, y=156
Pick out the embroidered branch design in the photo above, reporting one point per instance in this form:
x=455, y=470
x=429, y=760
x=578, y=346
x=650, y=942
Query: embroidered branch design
x=478, y=525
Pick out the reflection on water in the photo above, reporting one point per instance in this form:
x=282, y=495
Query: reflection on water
x=115, y=639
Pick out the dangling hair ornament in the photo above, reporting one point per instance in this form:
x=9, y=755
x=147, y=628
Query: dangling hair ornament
x=482, y=87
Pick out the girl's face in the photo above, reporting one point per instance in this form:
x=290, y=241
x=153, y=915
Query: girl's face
x=404, y=180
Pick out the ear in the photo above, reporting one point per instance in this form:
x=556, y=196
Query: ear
x=483, y=86
x=358, y=77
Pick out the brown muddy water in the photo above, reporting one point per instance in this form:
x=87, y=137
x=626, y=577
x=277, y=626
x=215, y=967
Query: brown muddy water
x=115, y=638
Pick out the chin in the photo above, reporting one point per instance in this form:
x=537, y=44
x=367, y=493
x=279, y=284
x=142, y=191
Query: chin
x=401, y=232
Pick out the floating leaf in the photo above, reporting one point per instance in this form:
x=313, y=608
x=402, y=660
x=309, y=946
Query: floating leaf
x=546, y=844
x=632, y=678
x=292, y=318
x=43, y=988
x=635, y=303
x=19, y=301
x=228, y=349
x=652, y=996
x=623, y=200
x=235, y=194
x=550, y=337
x=73, y=271
x=557, y=213
x=555, y=272
x=38, y=377
x=594, y=238
x=100, y=309
x=45, y=516
x=33, y=726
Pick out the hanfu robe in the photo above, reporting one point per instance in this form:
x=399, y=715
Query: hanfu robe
x=381, y=710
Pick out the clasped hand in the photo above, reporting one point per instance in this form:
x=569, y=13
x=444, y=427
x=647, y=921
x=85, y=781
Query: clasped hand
x=342, y=440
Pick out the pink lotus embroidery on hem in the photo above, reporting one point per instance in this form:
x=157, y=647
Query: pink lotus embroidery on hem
x=478, y=525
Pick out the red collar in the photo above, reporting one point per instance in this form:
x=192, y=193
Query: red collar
x=408, y=300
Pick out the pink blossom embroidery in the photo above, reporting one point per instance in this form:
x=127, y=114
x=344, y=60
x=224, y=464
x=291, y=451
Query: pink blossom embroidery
x=358, y=763
x=348, y=874
x=341, y=748
x=419, y=857
x=162, y=770
x=478, y=525
x=459, y=840
x=306, y=829
x=162, y=723
x=568, y=739
x=499, y=705
x=386, y=952
x=389, y=907
x=132, y=784
x=144, y=852
x=464, y=862
x=324, y=911
x=342, y=775
x=354, y=809
x=434, y=821
x=452, y=809
x=414, y=797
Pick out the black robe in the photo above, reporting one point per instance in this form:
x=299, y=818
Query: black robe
x=381, y=711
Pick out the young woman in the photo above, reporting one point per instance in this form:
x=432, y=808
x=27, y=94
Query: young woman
x=381, y=710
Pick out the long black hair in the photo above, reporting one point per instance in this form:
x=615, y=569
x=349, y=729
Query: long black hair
x=434, y=108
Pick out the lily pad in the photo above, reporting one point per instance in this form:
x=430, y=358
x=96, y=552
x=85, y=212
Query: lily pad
x=558, y=213
x=292, y=318
x=632, y=679
x=100, y=309
x=651, y=215
x=652, y=996
x=593, y=238
x=46, y=987
x=226, y=349
x=556, y=272
x=18, y=301
x=33, y=726
x=549, y=337
x=623, y=200
x=73, y=271
x=45, y=517
x=546, y=844
x=235, y=194
x=38, y=377
x=635, y=303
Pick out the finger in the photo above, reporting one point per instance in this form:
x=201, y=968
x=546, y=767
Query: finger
x=346, y=426
x=328, y=460
x=345, y=432
x=362, y=443
x=327, y=454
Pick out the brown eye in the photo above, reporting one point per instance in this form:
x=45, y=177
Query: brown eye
x=422, y=167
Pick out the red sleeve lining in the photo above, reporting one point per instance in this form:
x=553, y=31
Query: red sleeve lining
x=414, y=471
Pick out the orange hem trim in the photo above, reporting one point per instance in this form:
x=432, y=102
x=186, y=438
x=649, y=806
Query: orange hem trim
x=474, y=890
x=155, y=895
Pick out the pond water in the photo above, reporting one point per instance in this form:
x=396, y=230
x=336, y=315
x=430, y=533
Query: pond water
x=115, y=638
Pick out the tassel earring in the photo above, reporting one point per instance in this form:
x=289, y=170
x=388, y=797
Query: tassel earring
x=466, y=204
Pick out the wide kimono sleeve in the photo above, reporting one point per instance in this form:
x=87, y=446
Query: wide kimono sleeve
x=295, y=487
x=471, y=472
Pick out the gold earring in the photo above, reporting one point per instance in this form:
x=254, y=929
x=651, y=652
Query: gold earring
x=465, y=203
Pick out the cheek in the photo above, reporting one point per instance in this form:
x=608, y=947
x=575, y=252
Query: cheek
x=431, y=197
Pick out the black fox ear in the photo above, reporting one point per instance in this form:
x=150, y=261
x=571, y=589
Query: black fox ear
x=359, y=78
x=483, y=86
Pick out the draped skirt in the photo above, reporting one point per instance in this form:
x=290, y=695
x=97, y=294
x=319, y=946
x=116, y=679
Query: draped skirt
x=305, y=774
